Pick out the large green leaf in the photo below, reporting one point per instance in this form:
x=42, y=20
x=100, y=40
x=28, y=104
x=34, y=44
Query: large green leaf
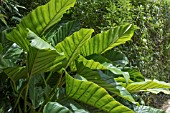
x=104, y=66
x=42, y=56
x=107, y=40
x=57, y=34
x=54, y=107
x=158, y=90
x=39, y=61
x=16, y=73
x=92, y=94
x=147, y=109
x=148, y=84
x=39, y=20
x=71, y=45
x=104, y=81
x=37, y=42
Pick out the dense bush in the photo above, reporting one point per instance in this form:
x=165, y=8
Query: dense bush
x=149, y=48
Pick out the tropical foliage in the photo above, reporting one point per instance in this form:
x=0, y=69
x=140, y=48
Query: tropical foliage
x=53, y=66
x=149, y=49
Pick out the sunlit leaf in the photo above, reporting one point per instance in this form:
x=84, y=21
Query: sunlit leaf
x=39, y=20
x=107, y=40
x=92, y=94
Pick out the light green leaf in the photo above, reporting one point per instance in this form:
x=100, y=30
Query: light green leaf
x=39, y=20
x=104, y=81
x=37, y=42
x=107, y=40
x=2, y=18
x=91, y=63
x=42, y=56
x=94, y=95
x=71, y=45
x=104, y=66
x=148, y=84
x=54, y=107
x=44, y=60
x=158, y=90
x=147, y=109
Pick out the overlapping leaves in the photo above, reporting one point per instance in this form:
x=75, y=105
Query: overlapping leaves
x=39, y=20
x=92, y=94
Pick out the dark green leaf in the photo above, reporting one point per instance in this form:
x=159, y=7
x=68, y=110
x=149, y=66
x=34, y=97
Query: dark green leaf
x=56, y=35
x=117, y=58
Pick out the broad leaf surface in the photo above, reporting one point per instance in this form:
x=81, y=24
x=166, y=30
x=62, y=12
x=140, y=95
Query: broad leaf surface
x=158, y=90
x=16, y=73
x=148, y=84
x=39, y=61
x=77, y=107
x=92, y=94
x=39, y=20
x=37, y=42
x=42, y=56
x=107, y=40
x=104, y=81
x=71, y=45
x=104, y=66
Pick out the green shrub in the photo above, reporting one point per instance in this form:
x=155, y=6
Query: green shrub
x=149, y=47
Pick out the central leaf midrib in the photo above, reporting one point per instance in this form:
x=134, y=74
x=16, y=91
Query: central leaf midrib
x=33, y=63
x=114, y=41
x=76, y=49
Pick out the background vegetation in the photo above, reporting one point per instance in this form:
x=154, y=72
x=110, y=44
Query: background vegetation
x=149, y=48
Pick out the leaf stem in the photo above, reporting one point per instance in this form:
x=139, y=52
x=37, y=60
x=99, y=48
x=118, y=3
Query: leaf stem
x=51, y=95
x=19, y=96
x=26, y=93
